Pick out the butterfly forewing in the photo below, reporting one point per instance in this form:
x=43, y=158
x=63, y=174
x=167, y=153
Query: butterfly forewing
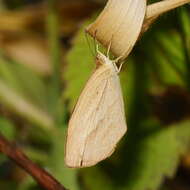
x=98, y=120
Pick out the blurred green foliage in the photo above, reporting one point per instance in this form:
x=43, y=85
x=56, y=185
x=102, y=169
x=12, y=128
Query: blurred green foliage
x=39, y=108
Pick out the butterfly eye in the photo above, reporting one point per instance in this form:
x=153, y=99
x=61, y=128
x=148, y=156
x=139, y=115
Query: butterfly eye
x=98, y=58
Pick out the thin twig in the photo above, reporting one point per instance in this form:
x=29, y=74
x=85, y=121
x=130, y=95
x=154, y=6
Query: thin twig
x=163, y=6
x=55, y=57
x=44, y=179
x=156, y=9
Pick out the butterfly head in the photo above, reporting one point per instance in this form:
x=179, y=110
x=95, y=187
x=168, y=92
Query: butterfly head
x=101, y=59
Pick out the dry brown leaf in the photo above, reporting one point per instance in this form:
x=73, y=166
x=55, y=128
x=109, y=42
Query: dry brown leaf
x=30, y=51
x=119, y=24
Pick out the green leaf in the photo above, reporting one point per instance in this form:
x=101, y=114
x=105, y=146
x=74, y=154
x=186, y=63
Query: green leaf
x=172, y=46
x=168, y=74
x=127, y=81
x=24, y=108
x=167, y=58
x=157, y=156
x=80, y=66
x=24, y=81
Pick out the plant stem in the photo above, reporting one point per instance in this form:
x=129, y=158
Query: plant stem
x=43, y=178
x=163, y=6
x=54, y=45
x=156, y=9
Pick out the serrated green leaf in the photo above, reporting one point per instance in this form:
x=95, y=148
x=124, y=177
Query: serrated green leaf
x=157, y=157
x=80, y=66
x=171, y=44
x=167, y=58
x=166, y=71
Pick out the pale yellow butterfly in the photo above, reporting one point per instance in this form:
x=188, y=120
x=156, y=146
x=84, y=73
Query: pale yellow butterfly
x=98, y=120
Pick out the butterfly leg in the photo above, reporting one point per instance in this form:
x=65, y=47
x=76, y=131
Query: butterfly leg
x=117, y=59
x=108, y=50
x=121, y=64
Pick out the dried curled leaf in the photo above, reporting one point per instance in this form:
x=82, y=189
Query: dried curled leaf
x=121, y=22
x=119, y=25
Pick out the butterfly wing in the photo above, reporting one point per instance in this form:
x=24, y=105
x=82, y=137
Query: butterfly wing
x=98, y=120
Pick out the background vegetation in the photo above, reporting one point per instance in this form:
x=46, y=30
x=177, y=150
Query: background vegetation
x=45, y=61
